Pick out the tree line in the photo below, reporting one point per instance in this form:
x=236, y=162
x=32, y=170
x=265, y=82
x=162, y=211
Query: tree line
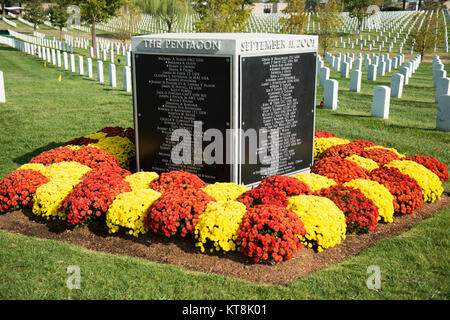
x=213, y=15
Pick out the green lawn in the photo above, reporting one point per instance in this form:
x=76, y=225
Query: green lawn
x=41, y=113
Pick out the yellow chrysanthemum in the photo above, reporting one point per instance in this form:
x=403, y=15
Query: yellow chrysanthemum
x=366, y=163
x=96, y=135
x=379, y=194
x=315, y=181
x=74, y=147
x=219, y=224
x=322, y=144
x=120, y=147
x=129, y=209
x=224, y=191
x=141, y=180
x=429, y=182
x=48, y=198
x=324, y=222
x=36, y=167
x=66, y=170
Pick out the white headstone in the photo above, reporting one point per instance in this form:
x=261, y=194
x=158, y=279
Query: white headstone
x=397, y=81
x=72, y=63
x=324, y=75
x=443, y=88
x=100, y=71
x=372, y=73
x=443, y=113
x=128, y=58
x=345, y=70
x=80, y=65
x=404, y=72
x=381, y=102
x=112, y=75
x=331, y=94
x=355, y=80
x=381, y=68
x=89, y=67
x=111, y=56
x=54, y=57
x=65, y=61
x=58, y=58
x=438, y=75
x=2, y=89
x=127, y=79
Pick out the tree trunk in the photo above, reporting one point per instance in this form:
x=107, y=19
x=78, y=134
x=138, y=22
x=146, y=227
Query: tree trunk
x=60, y=33
x=404, y=5
x=94, y=36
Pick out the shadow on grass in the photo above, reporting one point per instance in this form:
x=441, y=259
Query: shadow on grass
x=4, y=48
x=27, y=157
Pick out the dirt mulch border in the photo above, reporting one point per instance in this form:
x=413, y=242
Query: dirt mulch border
x=182, y=252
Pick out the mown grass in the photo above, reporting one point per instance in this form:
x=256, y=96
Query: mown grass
x=41, y=113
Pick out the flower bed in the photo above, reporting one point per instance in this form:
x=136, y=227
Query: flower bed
x=351, y=187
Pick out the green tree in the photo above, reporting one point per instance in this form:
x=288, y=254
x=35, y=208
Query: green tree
x=58, y=15
x=358, y=10
x=295, y=23
x=167, y=11
x=34, y=12
x=425, y=36
x=96, y=11
x=328, y=19
x=222, y=15
x=130, y=17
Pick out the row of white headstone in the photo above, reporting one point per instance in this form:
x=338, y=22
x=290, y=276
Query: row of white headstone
x=381, y=94
x=67, y=62
x=442, y=85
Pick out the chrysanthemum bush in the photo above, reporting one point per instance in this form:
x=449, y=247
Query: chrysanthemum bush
x=289, y=186
x=91, y=197
x=429, y=182
x=432, y=164
x=169, y=181
x=177, y=212
x=324, y=222
x=270, y=233
x=315, y=181
x=360, y=212
x=379, y=194
x=18, y=187
x=338, y=169
x=223, y=191
x=141, y=180
x=129, y=209
x=260, y=196
x=322, y=144
x=351, y=186
x=217, y=228
x=405, y=190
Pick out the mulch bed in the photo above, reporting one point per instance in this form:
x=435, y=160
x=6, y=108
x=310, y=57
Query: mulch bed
x=182, y=252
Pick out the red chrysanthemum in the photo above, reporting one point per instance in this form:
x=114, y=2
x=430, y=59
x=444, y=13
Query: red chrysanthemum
x=323, y=134
x=406, y=191
x=18, y=187
x=363, y=143
x=259, y=196
x=437, y=167
x=287, y=185
x=54, y=156
x=360, y=212
x=380, y=155
x=342, y=151
x=270, y=233
x=177, y=212
x=113, y=131
x=95, y=157
x=91, y=197
x=340, y=170
x=176, y=180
